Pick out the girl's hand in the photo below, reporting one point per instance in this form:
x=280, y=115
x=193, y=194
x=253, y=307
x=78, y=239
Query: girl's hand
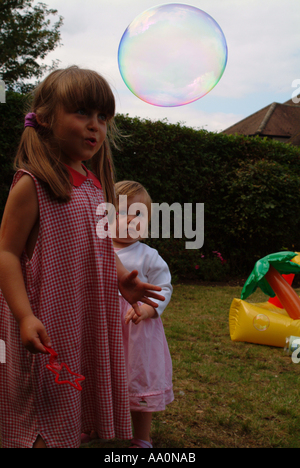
x=133, y=290
x=34, y=335
x=145, y=312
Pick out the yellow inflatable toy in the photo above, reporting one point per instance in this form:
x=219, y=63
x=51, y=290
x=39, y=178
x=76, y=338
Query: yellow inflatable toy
x=266, y=323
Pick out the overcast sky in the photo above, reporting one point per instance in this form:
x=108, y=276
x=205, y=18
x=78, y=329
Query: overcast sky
x=263, y=38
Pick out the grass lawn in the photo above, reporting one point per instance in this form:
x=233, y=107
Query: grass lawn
x=227, y=394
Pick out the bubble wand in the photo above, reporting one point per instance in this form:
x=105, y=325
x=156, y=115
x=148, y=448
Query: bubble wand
x=55, y=367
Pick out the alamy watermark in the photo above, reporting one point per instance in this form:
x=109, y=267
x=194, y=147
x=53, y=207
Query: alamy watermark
x=296, y=351
x=2, y=91
x=2, y=352
x=292, y=348
x=296, y=93
x=185, y=222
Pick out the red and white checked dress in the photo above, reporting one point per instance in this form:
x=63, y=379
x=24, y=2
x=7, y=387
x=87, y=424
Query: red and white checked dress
x=72, y=286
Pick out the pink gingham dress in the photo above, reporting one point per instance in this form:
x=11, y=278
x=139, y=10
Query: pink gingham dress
x=72, y=287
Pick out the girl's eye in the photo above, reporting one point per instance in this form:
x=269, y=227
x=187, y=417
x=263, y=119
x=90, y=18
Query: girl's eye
x=83, y=111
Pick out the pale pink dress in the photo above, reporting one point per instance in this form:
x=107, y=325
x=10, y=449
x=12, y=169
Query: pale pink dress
x=72, y=287
x=148, y=361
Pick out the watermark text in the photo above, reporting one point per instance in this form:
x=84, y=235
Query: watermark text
x=133, y=221
x=2, y=352
x=296, y=93
x=2, y=92
x=296, y=352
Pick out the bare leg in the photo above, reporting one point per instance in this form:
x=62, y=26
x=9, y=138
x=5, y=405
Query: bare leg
x=142, y=425
x=39, y=443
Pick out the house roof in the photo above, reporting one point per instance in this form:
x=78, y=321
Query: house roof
x=295, y=140
x=276, y=120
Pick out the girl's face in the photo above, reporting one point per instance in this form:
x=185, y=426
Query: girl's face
x=79, y=134
x=132, y=222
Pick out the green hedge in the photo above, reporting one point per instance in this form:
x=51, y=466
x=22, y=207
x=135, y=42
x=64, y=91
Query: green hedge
x=11, y=127
x=250, y=188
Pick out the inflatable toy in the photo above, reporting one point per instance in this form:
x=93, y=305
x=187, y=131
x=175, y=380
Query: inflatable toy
x=275, y=300
x=268, y=323
x=261, y=323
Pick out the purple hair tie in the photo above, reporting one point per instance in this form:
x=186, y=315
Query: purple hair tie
x=30, y=120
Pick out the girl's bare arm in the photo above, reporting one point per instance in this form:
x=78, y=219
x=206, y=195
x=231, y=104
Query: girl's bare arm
x=133, y=290
x=20, y=216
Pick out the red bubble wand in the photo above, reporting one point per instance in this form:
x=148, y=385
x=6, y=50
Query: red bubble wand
x=56, y=368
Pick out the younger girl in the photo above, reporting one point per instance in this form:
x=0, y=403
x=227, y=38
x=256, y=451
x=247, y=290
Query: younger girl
x=147, y=356
x=59, y=281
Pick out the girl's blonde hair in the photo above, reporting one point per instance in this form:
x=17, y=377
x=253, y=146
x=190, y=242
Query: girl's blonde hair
x=73, y=88
x=131, y=189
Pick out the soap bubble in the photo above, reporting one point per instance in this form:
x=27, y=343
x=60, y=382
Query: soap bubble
x=261, y=322
x=172, y=55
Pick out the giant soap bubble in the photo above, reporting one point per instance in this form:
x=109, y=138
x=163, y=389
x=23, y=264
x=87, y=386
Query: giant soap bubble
x=172, y=55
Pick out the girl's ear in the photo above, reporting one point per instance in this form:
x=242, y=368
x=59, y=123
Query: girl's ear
x=41, y=122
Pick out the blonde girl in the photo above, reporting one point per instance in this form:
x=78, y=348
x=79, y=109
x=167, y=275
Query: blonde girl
x=147, y=356
x=59, y=281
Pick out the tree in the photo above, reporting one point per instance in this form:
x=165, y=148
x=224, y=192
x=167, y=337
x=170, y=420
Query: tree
x=26, y=34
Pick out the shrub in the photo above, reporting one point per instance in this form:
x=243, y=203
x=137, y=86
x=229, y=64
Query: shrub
x=11, y=127
x=249, y=186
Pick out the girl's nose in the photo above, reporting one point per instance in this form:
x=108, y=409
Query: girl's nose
x=93, y=122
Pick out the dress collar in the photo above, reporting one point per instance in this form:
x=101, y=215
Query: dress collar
x=77, y=178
